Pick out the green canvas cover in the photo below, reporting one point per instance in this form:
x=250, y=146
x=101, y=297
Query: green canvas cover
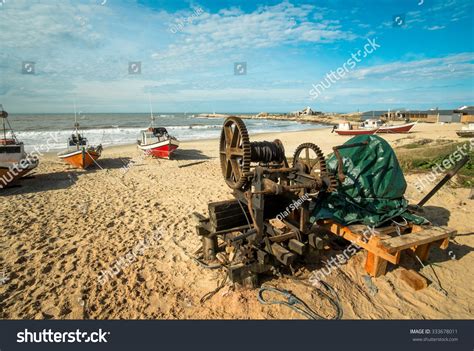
x=373, y=188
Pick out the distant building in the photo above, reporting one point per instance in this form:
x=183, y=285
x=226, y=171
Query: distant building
x=372, y=115
x=432, y=116
x=467, y=114
x=446, y=116
x=306, y=112
x=393, y=115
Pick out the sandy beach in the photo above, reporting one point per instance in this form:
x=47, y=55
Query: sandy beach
x=63, y=227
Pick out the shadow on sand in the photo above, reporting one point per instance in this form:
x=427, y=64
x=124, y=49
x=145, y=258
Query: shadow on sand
x=189, y=155
x=35, y=183
x=436, y=215
x=39, y=182
x=108, y=163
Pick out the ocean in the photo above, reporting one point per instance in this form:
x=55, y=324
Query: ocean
x=124, y=128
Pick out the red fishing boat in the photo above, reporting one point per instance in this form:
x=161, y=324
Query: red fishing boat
x=403, y=128
x=156, y=141
x=372, y=126
x=356, y=131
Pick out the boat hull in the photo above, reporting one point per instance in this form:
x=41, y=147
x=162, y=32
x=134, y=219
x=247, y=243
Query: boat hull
x=10, y=176
x=162, y=149
x=356, y=132
x=405, y=128
x=80, y=158
x=465, y=133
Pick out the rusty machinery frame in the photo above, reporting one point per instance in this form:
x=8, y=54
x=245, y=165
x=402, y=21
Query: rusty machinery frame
x=264, y=185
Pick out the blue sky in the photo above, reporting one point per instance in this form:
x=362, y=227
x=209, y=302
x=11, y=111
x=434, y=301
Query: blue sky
x=187, y=50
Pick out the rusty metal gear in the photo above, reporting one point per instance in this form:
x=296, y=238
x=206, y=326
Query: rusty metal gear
x=235, y=153
x=316, y=166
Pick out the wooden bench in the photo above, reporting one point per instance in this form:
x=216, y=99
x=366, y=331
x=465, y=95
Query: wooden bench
x=385, y=244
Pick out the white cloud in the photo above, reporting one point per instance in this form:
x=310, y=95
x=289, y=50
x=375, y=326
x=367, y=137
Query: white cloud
x=36, y=24
x=266, y=27
x=435, y=27
x=451, y=66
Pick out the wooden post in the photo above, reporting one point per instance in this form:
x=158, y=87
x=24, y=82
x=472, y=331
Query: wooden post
x=375, y=265
x=209, y=247
x=422, y=251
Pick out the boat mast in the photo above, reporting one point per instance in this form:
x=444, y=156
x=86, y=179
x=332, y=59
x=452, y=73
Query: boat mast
x=152, y=125
x=3, y=122
x=76, y=127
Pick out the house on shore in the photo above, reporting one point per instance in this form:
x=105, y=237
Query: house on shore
x=467, y=114
x=306, y=112
x=464, y=114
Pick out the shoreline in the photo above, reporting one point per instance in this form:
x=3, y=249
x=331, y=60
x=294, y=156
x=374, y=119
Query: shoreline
x=320, y=136
x=311, y=119
x=116, y=147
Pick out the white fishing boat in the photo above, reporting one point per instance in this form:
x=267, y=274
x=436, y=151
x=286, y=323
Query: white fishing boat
x=15, y=163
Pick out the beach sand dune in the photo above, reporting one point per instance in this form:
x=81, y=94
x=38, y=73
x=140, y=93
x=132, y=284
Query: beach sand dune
x=64, y=228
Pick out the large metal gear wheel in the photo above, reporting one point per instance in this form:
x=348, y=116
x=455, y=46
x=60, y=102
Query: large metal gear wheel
x=313, y=165
x=235, y=153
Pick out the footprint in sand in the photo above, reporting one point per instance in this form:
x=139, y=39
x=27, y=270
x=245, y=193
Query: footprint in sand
x=48, y=268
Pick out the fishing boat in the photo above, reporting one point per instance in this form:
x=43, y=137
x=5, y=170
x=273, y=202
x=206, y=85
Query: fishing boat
x=347, y=128
x=79, y=153
x=402, y=128
x=371, y=126
x=466, y=132
x=156, y=141
x=15, y=163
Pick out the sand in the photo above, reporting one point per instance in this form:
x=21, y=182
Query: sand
x=64, y=227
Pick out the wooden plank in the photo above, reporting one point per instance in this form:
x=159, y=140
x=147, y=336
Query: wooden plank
x=218, y=205
x=413, y=279
x=230, y=222
x=382, y=233
x=296, y=246
x=425, y=236
x=282, y=237
x=227, y=214
x=282, y=254
x=199, y=217
x=347, y=234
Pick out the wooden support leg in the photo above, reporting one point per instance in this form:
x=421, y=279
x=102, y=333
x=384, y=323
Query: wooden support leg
x=422, y=251
x=209, y=246
x=374, y=265
x=250, y=281
x=443, y=244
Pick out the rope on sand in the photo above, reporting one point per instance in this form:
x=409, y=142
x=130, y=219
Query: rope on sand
x=299, y=306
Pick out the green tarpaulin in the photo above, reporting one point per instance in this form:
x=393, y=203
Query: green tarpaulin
x=373, y=188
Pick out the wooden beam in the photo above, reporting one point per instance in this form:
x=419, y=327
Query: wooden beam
x=413, y=279
x=347, y=234
x=282, y=254
x=425, y=236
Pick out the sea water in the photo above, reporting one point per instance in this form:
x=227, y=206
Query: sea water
x=124, y=128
